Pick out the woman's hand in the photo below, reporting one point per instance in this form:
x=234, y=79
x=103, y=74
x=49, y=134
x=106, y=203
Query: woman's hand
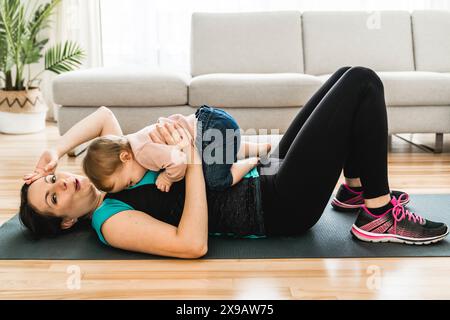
x=99, y=123
x=46, y=165
x=172, y=134
x=175, y=134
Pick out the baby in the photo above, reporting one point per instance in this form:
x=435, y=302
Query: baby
x=114, y=163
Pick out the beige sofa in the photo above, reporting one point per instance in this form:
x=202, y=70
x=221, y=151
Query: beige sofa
x=263, y=66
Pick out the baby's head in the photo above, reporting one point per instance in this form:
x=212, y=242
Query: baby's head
x=110, y=164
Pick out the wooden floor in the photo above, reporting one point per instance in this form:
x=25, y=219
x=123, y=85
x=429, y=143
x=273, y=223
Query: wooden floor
x=411, y=169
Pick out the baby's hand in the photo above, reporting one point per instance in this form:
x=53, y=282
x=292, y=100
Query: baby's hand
x=162, y=183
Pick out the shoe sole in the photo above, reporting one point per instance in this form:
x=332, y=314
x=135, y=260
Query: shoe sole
x=376, y=237
x=344, y=207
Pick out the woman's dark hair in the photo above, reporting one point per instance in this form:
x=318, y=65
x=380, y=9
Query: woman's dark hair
x=40, y=225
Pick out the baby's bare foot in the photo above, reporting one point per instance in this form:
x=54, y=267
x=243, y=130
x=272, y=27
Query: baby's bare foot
x=264, y=149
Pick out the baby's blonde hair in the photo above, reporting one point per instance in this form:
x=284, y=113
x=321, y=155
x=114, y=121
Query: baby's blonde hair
x=103, y=159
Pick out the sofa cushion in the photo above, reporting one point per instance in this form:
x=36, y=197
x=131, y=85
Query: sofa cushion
x=378, y=40
x=255, y=42
x=252, y=90
x=418, y=119
x=252, y=121
x=121, y=87
x=431, y=31
x=412, y=88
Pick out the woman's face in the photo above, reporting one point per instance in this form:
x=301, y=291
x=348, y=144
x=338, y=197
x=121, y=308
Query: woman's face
x=63, y=195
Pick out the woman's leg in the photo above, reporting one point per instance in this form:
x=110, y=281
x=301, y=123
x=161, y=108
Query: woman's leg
x=350, y=119
x=351, y=167
x=304, y=113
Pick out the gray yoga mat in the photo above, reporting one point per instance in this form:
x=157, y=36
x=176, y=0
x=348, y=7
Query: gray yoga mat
x=330, y=238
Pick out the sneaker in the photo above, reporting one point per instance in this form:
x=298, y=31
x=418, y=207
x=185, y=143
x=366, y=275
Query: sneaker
x=349, y=200
x=397, y=224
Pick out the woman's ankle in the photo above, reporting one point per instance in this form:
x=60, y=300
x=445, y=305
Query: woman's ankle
x=353, y=182
x=378, y=201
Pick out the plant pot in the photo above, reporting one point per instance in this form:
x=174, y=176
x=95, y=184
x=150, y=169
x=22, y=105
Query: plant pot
x=22, y=111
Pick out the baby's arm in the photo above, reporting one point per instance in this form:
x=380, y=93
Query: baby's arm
x=169, y=158
x=162, y=182
x=241, y=168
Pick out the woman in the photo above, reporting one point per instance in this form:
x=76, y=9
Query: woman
x=343, y=126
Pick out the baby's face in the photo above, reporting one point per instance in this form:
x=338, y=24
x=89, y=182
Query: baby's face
x=126, y=176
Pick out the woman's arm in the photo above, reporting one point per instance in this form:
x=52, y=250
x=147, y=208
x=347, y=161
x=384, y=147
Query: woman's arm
x=193, y=225
x=99, y=123
x=137, y=231
x=140, y=232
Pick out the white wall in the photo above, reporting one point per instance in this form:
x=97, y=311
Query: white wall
x=156, y=33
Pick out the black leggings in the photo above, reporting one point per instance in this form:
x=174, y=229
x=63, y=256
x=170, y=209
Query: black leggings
x=342, y=126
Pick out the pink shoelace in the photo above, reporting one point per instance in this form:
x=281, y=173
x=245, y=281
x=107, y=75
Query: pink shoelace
x=399, y=213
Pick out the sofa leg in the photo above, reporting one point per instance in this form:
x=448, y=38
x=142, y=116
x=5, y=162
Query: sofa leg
x=439, y=143
x=78, y=150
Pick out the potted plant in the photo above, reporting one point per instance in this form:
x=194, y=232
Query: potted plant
x=22, y=108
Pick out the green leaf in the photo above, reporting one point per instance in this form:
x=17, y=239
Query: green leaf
x=59, y=59
x=21, y=43
x=33, y=52
x=41, y=17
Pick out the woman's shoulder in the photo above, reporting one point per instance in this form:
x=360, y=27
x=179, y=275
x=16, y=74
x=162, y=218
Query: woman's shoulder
x=106, y=210
x=113, y=203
